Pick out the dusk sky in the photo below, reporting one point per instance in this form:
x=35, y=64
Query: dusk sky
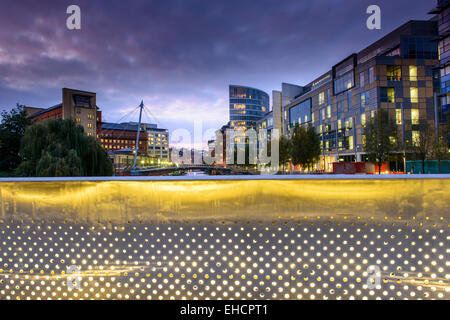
x=179, y=56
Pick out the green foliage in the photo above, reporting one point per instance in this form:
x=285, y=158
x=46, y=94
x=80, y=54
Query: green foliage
x=59, y=148
x=440, y=146
x=285, y=150
x=12, y=128
x=305, y=147
x=380, y=133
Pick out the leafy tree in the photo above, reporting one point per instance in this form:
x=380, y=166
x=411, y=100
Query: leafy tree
x=440, y=147
x=380, y=133
x=12, y=129
x=285, y=150
x=305, y=147
x=58, y=148
x=422, y=147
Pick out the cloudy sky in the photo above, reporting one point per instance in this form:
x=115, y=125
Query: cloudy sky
x=179, y=56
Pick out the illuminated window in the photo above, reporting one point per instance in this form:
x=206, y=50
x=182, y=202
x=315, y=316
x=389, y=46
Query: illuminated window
x=415, y=116
x=414, y=91
x=339, y=124
x=239, y=106
x=78, y=119
x=350, y=142
x=415, y=138
x=348, y=123
x=413, y=73
x=365, y=97
x=322, y=114
x=387, y=95
x=394, y=73
x=363, y=139
x=321, y=98
x=329, y=111
x=398, y=116
x=363, y=119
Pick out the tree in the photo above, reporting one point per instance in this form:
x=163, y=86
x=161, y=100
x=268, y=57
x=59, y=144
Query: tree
x=12, y=129
x=285, y=150
x=305, y=147
x=440, y=147
x=380, y=133
x=423, y=144
x=57, y=148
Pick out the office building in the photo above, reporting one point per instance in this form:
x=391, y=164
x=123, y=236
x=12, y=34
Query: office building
x=76, y=104
x=247, y=106
x=442, y=12
x=395, y=73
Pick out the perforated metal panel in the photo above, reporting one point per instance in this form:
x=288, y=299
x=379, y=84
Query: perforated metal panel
x=240, y=239
x=283, y=259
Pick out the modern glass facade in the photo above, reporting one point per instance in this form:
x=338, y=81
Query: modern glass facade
x=247, y=106
x=396, y=74
x=442, y=74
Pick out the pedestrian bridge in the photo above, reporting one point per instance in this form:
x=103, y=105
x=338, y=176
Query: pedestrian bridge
x=214, y=170
x=225, y=237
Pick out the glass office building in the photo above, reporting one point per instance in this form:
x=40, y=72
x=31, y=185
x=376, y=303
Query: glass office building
x=442, y=12
x=247, y=106
x=395, y=73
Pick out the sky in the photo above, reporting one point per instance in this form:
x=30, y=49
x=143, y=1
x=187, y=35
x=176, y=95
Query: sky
x=179, y=56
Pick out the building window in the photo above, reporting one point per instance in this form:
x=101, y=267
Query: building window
x=321, y=98
x=329, y=111
x=398, y=116
x=365, y=97
x=349, y=142
x=371, y=75
x=412, y=73
x=339, y=124
x=328, y=96
x=394, y=73
x=361, y=80
x=349, y=99
x=415, y=137
x=349, y=123
x=414, y=92
x=363, y=119
x=78, y=120
x=340, y=107
x=322, y=114
x=387, y=95
x=415, y=116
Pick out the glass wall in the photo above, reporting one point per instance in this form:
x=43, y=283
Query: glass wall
x=247, y=106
